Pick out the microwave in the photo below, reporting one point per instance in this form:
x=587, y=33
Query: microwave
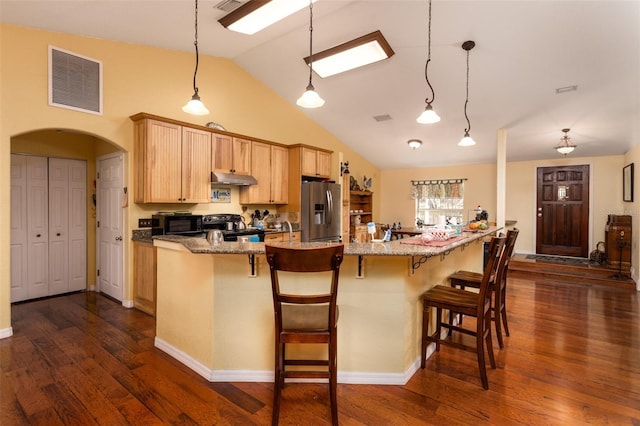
x=187, y=224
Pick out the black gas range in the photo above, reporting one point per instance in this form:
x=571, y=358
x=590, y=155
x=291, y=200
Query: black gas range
x=231, y=225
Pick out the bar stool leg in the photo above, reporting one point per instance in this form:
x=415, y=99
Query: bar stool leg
x=333, y=378
x=496, y=316
x=425, y=332
x=480, y=339
x=278, y=382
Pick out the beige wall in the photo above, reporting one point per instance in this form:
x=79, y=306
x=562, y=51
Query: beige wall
x=606, y=195
x=480, y=188
x=51, y=143
x=633, y=156
x=158, y=81
x=136, y=79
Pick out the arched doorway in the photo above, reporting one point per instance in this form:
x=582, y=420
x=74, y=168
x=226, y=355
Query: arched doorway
x=75, y=144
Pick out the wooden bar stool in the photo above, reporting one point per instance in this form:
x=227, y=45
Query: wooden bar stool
x=302, y=318
x=467, y=303
x=463, y=279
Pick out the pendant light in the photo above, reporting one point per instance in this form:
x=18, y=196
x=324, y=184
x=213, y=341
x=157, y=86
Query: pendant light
x=310, y=98
x=467, y=140
x=428, y=116
x=195, y=106
x=565, y=147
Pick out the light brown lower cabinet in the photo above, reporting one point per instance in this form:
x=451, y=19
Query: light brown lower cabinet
x=144, y=277
x=281, y=237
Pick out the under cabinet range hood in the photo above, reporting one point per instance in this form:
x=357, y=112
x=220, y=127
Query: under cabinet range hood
x=232, y=179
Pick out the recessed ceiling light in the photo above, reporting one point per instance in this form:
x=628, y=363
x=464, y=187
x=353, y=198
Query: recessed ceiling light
x=414, y=143
x=352, y=54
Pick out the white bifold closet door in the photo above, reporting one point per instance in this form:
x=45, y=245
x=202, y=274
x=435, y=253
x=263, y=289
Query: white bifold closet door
x=29, y=227
x=48, y=226
x=67, y=225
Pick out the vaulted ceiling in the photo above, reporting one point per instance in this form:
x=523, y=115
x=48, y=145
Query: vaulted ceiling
x=525, y=51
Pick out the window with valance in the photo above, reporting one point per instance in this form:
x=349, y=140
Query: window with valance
x=438, y=200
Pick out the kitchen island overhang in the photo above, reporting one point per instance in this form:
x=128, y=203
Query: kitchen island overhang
x=215, y=312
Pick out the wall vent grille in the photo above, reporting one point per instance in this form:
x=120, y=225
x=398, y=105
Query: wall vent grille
x=75, y=82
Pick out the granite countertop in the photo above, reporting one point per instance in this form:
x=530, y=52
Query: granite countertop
x=391, y=248
x=142, y=235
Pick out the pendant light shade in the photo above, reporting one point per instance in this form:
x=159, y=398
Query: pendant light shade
x=565, y=146
x=310, y=98
x=428, y=116
x=467, y=140
x=195, y=105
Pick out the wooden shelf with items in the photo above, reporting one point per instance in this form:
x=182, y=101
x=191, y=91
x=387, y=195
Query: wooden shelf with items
x=360, y=210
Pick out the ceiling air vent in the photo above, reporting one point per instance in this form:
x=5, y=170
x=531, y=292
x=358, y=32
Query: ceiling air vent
x=384, y=117
x=75, y=81
x=230, y=5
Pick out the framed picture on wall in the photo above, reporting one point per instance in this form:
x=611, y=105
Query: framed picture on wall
x=627, y=183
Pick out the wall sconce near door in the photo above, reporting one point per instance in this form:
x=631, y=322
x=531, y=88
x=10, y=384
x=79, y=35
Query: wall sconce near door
x=565, y=147
x=256, y=15
x=352, y=54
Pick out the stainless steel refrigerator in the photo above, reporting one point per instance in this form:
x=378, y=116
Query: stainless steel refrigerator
x=320, y=219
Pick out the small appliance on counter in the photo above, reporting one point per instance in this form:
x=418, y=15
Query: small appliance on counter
x=231, y=225
x=478, y=214
x=176, y=223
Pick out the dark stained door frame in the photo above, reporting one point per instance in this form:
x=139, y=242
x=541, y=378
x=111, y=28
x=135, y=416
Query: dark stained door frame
x=562, y=210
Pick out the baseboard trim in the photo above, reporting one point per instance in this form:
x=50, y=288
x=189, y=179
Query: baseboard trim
x=266, y=376
x=184, y=358
x=6, y=332
x=128, y=303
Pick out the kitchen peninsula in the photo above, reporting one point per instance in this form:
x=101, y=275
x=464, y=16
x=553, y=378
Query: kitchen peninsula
x=215, y=311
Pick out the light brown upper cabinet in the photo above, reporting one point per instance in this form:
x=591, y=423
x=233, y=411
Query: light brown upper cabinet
x=172, y=163
x=231, y=154
x=315, y=162
x=270, y=167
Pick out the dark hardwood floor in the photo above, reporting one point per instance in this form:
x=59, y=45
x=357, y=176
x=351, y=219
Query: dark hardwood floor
x=573, y=358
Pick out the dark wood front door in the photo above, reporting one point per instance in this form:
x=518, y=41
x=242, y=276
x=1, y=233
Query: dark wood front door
x=562, y=212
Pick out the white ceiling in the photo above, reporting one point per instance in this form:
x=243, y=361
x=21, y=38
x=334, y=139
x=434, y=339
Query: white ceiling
x=524, y=51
